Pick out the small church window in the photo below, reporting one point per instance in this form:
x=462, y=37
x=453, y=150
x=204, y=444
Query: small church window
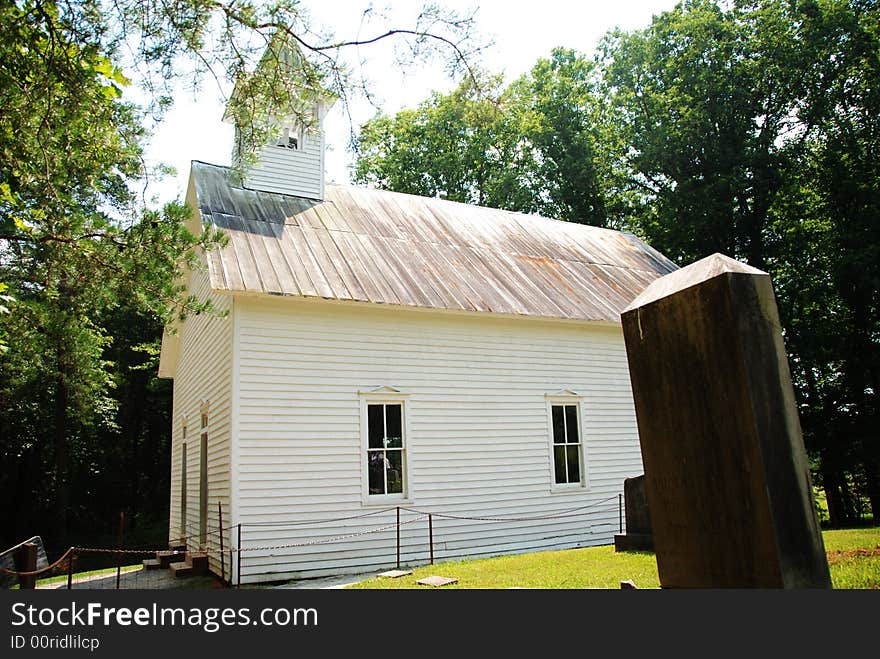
x=385, y=448
x=567, y=445
x=291, y=138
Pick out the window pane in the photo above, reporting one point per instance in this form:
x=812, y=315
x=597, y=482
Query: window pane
x=574, y=464
x=395, y=471
x=376, y=467
x=559, y=463
x=558, y=425
x=393, y=426
x=376, y=426
x=571, y=423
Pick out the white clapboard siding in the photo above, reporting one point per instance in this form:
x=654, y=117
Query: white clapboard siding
x=478, y=443
x=298, y=172
x=203, y=377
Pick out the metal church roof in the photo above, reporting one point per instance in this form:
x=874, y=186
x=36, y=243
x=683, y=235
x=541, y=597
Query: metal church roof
x=398, y=249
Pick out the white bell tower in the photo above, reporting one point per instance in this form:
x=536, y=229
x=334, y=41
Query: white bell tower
x=292, y=161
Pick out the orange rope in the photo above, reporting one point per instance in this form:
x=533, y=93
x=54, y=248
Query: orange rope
x=36, y=572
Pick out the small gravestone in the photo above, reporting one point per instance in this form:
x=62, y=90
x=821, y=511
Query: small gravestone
x=726, y=473
x=638, y=536
x=437, y=581
x=395, y=574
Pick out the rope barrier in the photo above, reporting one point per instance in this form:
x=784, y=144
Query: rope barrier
x=566, y=513
x=423, y=512
x=335, y=539
x=421, y=515
x=309, y=543
x=102, y=550
x=15, y=573
x=319, y=521
x=507, y=519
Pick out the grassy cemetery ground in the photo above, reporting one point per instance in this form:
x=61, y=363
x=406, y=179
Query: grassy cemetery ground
x=853, y=557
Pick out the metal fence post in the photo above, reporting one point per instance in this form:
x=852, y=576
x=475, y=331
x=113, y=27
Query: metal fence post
x=239, y=555
x=431, y=535
x=70, y=568
x=398, y=537
x=620, y=512
x=119, y=553
x=222, y=563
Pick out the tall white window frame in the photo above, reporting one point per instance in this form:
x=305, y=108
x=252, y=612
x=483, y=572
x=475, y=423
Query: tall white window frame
x=565, y=440
x=371, y=403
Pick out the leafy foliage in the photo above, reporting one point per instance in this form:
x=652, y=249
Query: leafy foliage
x=533, y=146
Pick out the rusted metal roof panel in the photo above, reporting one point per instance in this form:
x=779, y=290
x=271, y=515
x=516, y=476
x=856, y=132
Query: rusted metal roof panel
x=390, y=248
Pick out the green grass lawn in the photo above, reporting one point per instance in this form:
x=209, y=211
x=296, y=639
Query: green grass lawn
x=853, y=558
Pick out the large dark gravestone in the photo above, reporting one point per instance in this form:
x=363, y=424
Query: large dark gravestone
x=638, y=536
x=726, y=473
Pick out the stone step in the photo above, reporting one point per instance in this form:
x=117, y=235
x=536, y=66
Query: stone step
x=196, y=563
x=152, y=564
x=168, y=557
x=197, y=558
x=199, y=562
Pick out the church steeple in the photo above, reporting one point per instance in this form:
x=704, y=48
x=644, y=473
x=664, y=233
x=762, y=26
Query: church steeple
x=291, y=161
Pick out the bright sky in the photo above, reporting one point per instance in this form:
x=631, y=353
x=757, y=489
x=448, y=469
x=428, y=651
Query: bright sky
x=522, y=32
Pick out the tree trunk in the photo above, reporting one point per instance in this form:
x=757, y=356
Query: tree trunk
x=62, y=471
x=136, y=396
x=846, y=496
x=872, y=477
x=833, y=495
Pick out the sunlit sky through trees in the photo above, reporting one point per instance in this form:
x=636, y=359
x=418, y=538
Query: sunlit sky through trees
x=521, y=32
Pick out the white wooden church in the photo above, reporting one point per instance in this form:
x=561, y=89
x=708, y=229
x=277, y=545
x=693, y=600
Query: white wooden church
x=386, y=351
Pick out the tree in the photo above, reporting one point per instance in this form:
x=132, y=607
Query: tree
x=844, y=161
x=752, y=131
x=706, y=99
x=533, y=146
x=69, y=147
x=451, y=144
x=563, y=155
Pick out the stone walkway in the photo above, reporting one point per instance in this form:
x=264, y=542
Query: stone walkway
x=164, y=580
x=329, y=583
x=138, y=579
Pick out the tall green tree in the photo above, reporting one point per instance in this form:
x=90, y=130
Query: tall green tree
x=452, y=144
x=69, y=146
x=534, y=146
x=752, y=131
x=706, y=98
x=844, y=107
x=563, y=155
